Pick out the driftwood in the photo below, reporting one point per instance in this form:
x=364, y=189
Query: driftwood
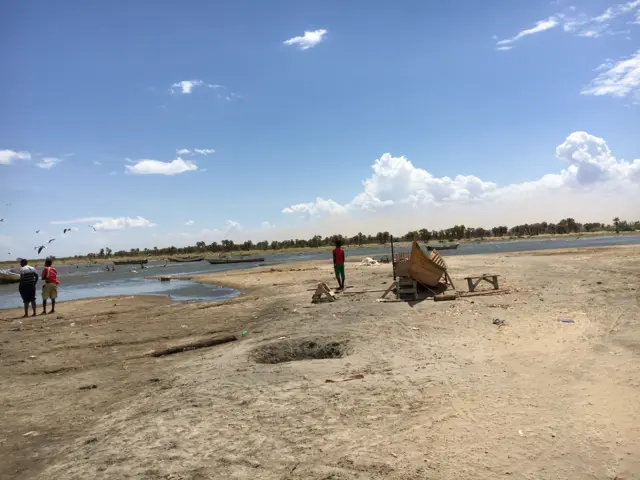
x=346, y=379
x=209, y=342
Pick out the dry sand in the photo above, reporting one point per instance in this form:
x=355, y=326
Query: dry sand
x=446, y=393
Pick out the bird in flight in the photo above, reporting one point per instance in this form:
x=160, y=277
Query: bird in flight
x=37, y=231
x=94, y=228
x=51, y=240
x=66, y=230
x=1, y=219
x=8, y=205
x=40, y=248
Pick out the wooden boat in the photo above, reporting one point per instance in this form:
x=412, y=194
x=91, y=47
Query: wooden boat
x=445, y=246
x=185, y=259
x=220, y=261
x=131, y=262
x=427, y=270
x=9, y=276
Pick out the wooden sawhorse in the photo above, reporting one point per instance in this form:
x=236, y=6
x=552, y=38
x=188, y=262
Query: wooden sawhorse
x=473, y=281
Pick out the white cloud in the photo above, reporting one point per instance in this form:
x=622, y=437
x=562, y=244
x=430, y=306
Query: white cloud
x=156, y=167
x=319, y=207
x=540, y=26
x=267, y=225
x=204, y=151
x=618, y=80
x=232, y=226
x=308, y=40
x=188, y=223
x=396, y=181
x=8, y=156
x=582, y=24
x=504, y=48
x=96, y=162
x=48, y=162
x=185, y=86
x=109, y=223
x=199, y=151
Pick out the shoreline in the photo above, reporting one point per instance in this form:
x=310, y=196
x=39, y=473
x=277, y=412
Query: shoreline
x=431, y=383
x=219, y=279
x=327, y=248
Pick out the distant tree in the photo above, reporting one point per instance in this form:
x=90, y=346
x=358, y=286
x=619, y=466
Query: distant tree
x=616, y=224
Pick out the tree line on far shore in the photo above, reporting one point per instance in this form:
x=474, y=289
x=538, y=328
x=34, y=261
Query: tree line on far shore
x=455, y=233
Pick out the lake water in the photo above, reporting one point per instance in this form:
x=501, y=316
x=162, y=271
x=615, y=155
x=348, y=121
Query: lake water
x=88, y=281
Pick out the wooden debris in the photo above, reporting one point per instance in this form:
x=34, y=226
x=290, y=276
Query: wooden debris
x=489, y=292
x=209, y=342
x=346, y=379
x=441, y=298
x=323, y=291
x=473, y=281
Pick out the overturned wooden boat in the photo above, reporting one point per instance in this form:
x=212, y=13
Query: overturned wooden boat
x=9, y=276
x=186, y=259
x=444, y=246
x=131, y=262
x=423, y=268
x=221, y=261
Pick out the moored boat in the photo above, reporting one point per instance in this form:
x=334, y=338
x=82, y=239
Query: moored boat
x=131, y=262
x=446, y=246
x=218, y=261
x=9, y=276
x=185, y=259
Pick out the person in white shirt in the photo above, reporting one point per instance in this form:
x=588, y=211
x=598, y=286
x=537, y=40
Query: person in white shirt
x=27, y=286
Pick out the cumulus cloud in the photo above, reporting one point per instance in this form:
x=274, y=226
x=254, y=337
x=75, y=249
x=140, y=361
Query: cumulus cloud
x=48, y=162
x=185, y=86
x=188, y=223
x=619, y=79
x=396, y=181
x=183, y=151
x=109, y=223
x=156, y=167
x=308, y=40
x=7, y=157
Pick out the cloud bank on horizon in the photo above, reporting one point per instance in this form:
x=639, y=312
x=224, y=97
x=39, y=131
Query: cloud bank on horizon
x=397, y=182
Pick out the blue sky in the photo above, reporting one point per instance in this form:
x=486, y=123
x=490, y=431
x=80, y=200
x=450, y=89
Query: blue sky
x=475, y=102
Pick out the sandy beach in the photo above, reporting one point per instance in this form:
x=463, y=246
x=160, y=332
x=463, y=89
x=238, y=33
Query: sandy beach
x=447, y=392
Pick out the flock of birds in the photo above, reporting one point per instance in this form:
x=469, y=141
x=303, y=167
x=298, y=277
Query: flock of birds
x=42, y=247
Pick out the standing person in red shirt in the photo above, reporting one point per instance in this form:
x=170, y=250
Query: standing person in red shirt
x=50, y=287
x=338, y=264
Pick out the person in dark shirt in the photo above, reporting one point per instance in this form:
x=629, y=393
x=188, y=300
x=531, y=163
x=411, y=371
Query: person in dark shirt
x=338, y=264
x=27, y=286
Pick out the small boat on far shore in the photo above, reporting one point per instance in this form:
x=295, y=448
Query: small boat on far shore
x=9, y=276
x=185, y=259
x=131, y=262
x=220, y=261
x=450, y=246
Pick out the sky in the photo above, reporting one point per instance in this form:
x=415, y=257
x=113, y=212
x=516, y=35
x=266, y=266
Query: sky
x=142, y=124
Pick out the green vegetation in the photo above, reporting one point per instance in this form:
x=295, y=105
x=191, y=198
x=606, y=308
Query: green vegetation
x=458, y=233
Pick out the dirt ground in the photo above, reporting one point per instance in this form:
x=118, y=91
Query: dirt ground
x=446, y=393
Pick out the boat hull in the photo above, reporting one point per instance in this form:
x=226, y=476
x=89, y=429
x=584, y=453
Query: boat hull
x=9, y=277
x=185, y=260
x=451, y=246
x=131, y=262
x=223, y=261
x=428, y=270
